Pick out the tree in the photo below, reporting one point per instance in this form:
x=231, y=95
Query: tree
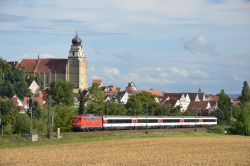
x=242, y=124
x=12, y=81
x=96, y=103
x=13, y=121
x=81, y=102
x=114, y=108
x=62, y=93
x=157, y=109
x=245, y=93
x=176, y=111
x=223, y=113
x=63, y=117
x=137, y=104
x=8, y=111
x=22, y=124
x=224, y=102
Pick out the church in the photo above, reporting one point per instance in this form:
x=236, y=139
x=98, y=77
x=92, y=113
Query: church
x=74, y=69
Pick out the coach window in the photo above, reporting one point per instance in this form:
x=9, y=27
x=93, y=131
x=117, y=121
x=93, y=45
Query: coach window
x=171, y=120
x=142, y=121
x=119, y=121
x=189, y=120
x=152, y=121
x=209, y=120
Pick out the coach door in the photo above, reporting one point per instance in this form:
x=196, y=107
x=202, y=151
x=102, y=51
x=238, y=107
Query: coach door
x=134, y=122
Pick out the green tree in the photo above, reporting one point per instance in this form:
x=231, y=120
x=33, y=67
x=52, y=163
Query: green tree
x=8, y=111
x=96, y=103
x=223, y=113
x=224, y=102
x=81, y=109
x=61, y=93
x=22, y=124
x=176, y=111
x=13, y=121
x=63, y=117
x=114, y=108
x=137, y=104
x=242, y=124
x=12, y=81
x=245, y=93
x=36, y=110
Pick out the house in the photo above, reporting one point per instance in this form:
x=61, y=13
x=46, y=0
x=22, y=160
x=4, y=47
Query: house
x=154, y=92
x=131, y=88
x=97, y=82
x=199, y=107
x=18, y=103
x=177, y=99
x=123, y=97
x=34, y=87
x=39, y=99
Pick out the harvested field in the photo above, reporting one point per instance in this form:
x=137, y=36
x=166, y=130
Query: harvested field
x=216, y=150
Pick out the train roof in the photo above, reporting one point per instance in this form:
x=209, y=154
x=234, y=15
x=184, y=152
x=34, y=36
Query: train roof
x=128, y=117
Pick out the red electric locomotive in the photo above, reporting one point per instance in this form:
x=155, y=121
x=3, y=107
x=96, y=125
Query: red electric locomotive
x=86, y=122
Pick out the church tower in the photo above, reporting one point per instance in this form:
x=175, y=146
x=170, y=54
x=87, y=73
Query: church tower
x=77, y=67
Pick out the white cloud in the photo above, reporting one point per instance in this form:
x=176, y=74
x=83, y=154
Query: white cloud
x=199, y=44
x=111, y=72
x=46, y=55
x=201, y=74
x=35, y=55
x=172, y=72
x=145, y=78
x=179, y=72
x=237, y=78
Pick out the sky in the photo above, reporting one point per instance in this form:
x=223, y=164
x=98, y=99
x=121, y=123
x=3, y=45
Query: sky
x=174, y=46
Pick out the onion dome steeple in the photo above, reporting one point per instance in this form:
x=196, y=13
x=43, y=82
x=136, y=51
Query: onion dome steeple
x=76, y=40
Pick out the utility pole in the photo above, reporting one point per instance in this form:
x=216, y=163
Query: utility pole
x=195, y=120
x=30, y=111
x=147, y=120
x=106, y=108
x=1, y=123
x=49, y=116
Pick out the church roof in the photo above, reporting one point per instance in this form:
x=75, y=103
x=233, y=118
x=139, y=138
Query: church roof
x=44, y=65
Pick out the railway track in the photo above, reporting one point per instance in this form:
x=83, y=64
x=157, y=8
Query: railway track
x=134, y=131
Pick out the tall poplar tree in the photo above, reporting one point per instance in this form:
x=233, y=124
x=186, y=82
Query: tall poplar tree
x=245, y=93
x=96, y=103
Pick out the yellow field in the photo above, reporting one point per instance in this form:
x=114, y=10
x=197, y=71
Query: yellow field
x=217, y=150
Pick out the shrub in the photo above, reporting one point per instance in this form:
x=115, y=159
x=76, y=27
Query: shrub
x=63, y=116
x=22, y=124
x=217, y=129
x=8, y=129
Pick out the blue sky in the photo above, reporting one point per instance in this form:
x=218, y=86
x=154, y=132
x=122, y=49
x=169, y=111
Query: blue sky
x=174, y=46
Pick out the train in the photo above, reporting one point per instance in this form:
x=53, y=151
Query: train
x=90, y=122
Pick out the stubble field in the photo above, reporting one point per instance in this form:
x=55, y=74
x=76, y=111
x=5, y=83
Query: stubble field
x=216, y=150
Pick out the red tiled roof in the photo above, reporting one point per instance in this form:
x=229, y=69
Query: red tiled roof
x=39, y=99
x=175, y=96
x=44, y=65
x=202, y=105
x=154, y=92
x=171, y=102
x=214, y=98
x=98, y=82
